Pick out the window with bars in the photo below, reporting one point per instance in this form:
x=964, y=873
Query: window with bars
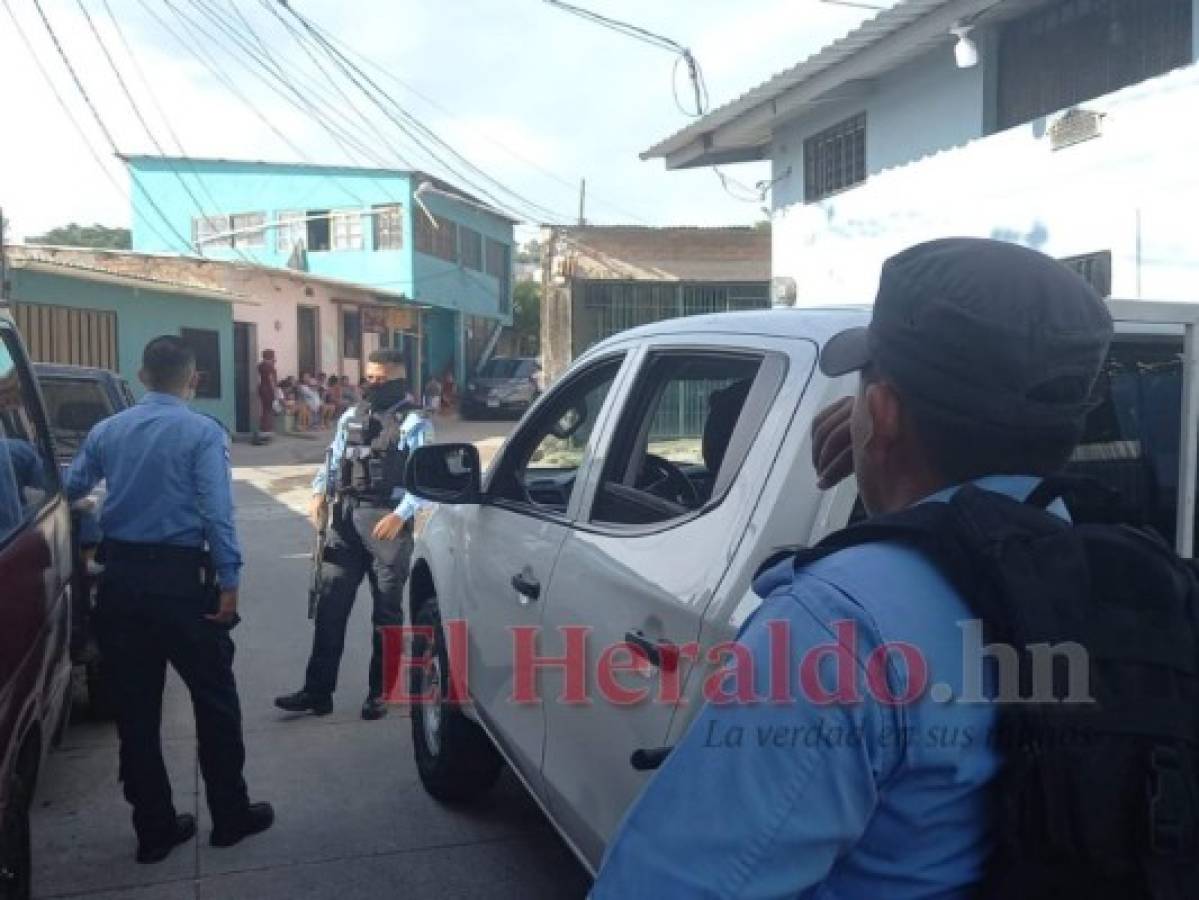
x=1068, y=52
x=206, y=344
x=248, y=229
x=205, y=230
x=389, y=227
x=290, y=229
x=499, y=267
x=346, y=229
x=472, y=248
x=835, y=159
x=440, y=241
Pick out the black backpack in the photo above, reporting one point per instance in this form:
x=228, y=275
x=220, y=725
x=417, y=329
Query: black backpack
x=1096, y=800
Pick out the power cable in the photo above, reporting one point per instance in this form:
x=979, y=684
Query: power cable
x=146, y=125
x=186, y=244
x=218, y=73
x=515, y=154
x=354, y=73
x=79, y=130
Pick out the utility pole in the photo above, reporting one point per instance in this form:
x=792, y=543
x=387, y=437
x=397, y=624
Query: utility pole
x=582, y=202
x=3, y=262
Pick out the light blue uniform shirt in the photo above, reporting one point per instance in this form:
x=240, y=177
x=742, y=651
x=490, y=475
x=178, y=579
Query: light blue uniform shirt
x=415, y=431
x=846, y=800
x=168, y=479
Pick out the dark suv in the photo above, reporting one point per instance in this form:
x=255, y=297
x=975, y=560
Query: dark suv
x=36, y=568
x=505, y=384
x=76, y=398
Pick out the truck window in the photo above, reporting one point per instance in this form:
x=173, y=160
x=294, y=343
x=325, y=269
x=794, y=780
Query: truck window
x=1131, y=441
x=74, y=406
x=28, y=479
x=682, y=436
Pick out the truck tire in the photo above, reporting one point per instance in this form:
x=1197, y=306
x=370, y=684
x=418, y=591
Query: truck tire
x=455, y=758
x=16, y=859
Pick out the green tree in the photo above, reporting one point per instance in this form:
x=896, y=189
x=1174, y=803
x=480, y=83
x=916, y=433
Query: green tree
x=526, y=316
x=75, y=235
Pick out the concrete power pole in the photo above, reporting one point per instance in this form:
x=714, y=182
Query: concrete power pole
x=582, y=202
x=3, y=261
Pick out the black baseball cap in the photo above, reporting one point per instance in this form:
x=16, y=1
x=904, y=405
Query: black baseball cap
x=983, y=331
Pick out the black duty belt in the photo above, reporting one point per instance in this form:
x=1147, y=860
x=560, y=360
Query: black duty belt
x=113, y=551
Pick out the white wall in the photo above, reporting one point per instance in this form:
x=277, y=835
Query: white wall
x=1133, y=191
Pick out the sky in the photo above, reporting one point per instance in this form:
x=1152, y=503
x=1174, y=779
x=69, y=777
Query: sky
x=534, y=96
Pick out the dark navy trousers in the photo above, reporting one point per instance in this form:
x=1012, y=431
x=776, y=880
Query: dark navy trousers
x=351, y=554
x=149, y=614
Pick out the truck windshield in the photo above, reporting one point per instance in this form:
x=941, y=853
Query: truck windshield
x=74, y=406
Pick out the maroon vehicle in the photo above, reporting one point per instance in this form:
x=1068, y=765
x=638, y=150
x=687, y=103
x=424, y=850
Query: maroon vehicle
x=36, y=563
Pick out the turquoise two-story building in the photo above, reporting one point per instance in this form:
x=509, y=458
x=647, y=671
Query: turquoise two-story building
x=403, y=232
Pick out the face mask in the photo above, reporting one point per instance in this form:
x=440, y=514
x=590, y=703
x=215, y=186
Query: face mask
x=387, y=394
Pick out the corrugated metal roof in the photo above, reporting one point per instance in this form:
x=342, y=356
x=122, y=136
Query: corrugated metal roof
x=882, y=26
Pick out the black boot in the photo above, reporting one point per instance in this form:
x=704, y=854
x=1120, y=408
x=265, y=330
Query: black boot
x=373, y=708
x=302, y=701
x=258, y=817
x=159, y=849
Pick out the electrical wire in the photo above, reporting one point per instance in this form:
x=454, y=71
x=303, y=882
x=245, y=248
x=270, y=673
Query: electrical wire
x=409, y=123
x=146, y=125
x=642, y=34
x=79, y=130
x=146, y=86
x=515, y=154
x=186, y=244
x=219, y=74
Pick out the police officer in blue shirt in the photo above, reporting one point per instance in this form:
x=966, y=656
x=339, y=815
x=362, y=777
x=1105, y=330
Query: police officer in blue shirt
x=370, y=529
x=169, y=595
x=977, y=367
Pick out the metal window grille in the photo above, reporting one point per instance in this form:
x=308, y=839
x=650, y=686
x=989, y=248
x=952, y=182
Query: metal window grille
x=62, y=334
x=835, y=159
x=206, y=228
x=472, y=248
x=499, y=267
x=291, y=229
x=1071, y=51
x=389, y=227
x=347, y=229
x=207, y=346
x=248, y=229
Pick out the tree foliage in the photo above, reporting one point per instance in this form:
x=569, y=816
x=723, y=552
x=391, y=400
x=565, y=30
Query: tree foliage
x=75, y=235
x=526, y=316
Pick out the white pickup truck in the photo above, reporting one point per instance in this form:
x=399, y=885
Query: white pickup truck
x=633, y=505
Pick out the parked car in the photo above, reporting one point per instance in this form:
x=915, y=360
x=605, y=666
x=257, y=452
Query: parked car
x=76, y=398
x=637, y=500
x=36, y=569
x=505, y=385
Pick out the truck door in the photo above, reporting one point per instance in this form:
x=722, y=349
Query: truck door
x=667, y=502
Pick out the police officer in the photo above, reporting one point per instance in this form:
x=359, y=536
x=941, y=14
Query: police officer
x=370, y=529
x=169, y=594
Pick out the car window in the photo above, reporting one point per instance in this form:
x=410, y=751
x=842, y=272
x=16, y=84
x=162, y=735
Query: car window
x=74, y=406
x=1131, y=439
x=27, y=473
x=540, y=467
x=683, y=434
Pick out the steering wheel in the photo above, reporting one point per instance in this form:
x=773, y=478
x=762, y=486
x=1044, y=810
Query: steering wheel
x=662, y=478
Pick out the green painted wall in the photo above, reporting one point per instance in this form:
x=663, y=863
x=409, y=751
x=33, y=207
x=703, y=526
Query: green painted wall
x=141, y=316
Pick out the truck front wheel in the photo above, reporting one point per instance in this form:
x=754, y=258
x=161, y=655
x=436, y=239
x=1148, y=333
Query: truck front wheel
x=455, y=759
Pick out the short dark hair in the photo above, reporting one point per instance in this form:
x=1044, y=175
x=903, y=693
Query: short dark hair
x=168, y=362
x=961, y=450
x=388, y=358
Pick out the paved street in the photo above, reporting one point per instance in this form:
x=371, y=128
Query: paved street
x=353, y=820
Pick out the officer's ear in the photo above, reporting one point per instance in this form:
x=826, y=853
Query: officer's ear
x=144, y=377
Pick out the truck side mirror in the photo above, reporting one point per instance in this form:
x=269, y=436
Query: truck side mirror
x=445, y=473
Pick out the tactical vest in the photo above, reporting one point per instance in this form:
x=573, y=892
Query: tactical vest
x=373, y=463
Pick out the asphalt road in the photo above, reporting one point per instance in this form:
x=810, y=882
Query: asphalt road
x=353, y=820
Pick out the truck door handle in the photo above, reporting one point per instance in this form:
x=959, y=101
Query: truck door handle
x=661, y=654
x=526, y=586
